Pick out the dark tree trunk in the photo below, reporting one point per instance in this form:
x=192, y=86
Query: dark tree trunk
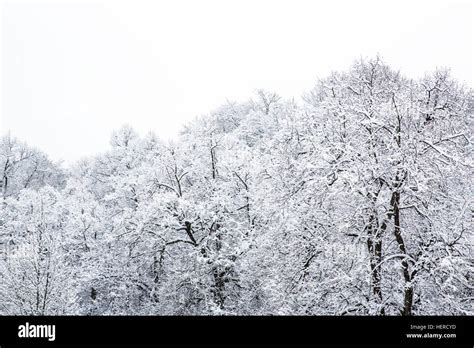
x=189, y=232
x=374, y=246
x=219, y=283
x=408, y=289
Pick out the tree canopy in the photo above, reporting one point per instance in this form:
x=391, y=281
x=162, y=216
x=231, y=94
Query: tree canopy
x=355, y=201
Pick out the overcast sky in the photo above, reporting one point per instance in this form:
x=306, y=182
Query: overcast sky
x=73, y=71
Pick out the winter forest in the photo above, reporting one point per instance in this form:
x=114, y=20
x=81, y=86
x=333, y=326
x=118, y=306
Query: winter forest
x=356, y=200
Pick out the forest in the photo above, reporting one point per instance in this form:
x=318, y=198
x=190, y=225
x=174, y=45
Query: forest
x=357, y=199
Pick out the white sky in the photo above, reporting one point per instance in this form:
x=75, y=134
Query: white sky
x=73, y=71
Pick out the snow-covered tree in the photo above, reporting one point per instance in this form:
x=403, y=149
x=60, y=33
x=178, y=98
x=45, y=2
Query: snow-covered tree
x=355, y=201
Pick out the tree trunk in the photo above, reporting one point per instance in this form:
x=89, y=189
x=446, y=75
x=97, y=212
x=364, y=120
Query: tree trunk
x=374, y=246
x=408, y=288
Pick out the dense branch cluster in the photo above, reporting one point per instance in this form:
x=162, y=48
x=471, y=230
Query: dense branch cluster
x=356, y=201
